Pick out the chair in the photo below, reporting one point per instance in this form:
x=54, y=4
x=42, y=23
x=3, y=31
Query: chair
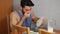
x=42, y=31
x=21, y=30
x=8, y=23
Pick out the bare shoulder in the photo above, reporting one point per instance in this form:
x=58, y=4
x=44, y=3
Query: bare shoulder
x=13, y=14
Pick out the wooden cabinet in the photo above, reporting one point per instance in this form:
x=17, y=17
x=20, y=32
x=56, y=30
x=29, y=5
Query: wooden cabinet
x=5, y=9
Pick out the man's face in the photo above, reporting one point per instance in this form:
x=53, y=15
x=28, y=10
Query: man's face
x=27, y=9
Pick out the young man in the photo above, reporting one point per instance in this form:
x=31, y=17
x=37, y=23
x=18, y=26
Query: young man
x=24, y=16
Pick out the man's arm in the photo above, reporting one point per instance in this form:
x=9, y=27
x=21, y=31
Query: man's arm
x=14, y=19
x=21, y=21
x=35, y=19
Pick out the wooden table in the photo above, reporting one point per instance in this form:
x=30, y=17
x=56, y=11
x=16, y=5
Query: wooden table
x=57, y=31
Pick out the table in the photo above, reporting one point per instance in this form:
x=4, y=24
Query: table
x=57, y=31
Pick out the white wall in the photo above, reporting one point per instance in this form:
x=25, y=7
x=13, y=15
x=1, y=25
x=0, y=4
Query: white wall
x=54, y=9
x=16, y=4
x=45, y=8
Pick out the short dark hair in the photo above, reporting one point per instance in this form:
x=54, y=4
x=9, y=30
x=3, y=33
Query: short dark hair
x=26, y=3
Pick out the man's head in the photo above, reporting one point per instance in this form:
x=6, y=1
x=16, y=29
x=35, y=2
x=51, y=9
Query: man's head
x=26, y=5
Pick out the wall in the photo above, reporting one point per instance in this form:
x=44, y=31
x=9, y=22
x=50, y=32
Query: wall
x=45, y=8
x=16, y=4
x=54, y=9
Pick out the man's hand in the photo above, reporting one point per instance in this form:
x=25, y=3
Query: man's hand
x=43, y=20
x=40, y=21
x=26, y=15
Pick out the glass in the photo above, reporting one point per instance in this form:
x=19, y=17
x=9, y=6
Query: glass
x=51, y=22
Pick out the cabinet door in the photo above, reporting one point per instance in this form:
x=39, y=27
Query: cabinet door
x=5, y=9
